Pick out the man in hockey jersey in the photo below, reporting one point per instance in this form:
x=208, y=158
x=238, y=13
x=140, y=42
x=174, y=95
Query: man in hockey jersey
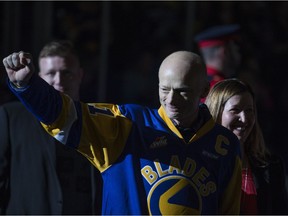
x=171, y=160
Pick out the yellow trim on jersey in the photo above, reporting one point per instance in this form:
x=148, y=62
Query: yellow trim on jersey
x=167, y=120
x=61, y=127
x=103, y=136
x=203, y=130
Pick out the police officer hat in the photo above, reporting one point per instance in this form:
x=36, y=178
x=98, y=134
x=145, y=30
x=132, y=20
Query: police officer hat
x=217, y=35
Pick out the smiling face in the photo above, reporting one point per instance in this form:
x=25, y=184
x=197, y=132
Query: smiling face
x=239, y=115
x=181, y=85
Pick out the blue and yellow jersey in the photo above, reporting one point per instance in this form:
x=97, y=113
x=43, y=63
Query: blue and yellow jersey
x=146, y=165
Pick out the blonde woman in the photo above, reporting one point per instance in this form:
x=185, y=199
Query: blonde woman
x=232, y=104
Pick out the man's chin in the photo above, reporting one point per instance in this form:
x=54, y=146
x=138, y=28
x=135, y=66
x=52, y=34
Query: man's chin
x=173, y=115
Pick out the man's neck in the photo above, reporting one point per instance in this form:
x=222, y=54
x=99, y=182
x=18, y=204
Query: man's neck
x=187, y=122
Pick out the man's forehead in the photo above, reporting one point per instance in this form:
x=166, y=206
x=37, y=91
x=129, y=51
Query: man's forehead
x=51, y=58
x=69, y=61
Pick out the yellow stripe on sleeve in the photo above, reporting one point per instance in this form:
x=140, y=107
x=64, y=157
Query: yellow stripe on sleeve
x=104, y=134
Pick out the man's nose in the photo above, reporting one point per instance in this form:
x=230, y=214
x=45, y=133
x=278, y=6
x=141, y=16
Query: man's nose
x=172, y=96
x=58, y=78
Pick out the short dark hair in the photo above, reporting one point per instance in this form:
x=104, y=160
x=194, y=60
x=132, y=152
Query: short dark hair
x=61, y=48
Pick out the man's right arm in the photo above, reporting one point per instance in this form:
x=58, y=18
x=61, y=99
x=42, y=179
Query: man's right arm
x=41, y=99
x=38, y=96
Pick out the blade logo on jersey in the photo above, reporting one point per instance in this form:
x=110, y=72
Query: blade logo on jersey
x=176, y=189
x=168, y=201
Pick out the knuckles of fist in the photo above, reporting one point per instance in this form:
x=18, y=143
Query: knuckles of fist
x=17, y=61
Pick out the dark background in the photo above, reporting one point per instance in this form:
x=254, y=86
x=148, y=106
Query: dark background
x=122, y=44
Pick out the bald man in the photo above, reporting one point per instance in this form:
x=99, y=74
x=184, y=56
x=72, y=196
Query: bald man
x=172, y=160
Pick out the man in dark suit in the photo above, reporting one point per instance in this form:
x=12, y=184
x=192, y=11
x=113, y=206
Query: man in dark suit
x=37, y=177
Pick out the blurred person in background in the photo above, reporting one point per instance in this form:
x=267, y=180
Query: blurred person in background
x=219, y=47
x=38, y=176
x=232, y=104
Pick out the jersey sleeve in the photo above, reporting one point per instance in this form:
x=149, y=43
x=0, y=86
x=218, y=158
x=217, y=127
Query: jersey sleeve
x=104, y=134
x=41, y=99
x=98, y=131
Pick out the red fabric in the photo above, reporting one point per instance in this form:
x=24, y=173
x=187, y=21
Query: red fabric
x=212, y=71
x=208, y=43
x=249, y=194
x=214, y=76
x=218, y=41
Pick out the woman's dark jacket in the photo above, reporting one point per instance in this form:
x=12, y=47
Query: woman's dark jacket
x=269, y=179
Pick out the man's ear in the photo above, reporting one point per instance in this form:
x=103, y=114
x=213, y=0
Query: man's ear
x=206, y=90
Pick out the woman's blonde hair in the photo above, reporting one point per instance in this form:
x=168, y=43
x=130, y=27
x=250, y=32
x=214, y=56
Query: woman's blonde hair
x=219, y=94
